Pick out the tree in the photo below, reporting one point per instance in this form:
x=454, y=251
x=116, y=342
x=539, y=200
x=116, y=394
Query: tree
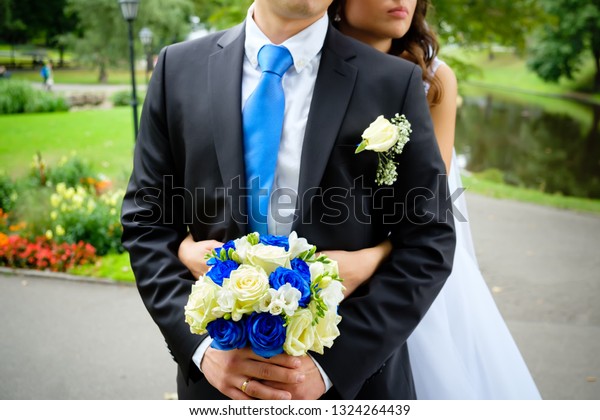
x=485, y=22
x=41, y=22
x=570, y=35
x=12, y=29
x=221, y=14
x=102, y=33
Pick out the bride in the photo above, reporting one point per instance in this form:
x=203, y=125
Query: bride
x=462, y=348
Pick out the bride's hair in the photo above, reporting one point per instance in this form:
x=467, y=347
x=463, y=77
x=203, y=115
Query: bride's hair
x=419, y=44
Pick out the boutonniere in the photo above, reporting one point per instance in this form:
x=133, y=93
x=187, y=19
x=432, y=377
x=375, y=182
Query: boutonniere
x=387, y=138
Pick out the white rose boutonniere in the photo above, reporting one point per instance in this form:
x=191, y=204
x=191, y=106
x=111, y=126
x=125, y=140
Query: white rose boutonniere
x=387, y=138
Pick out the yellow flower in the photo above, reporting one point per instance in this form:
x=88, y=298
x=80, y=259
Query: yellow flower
x=49, y=234
x=53, y=215
x=60, y=231
x=54, y=200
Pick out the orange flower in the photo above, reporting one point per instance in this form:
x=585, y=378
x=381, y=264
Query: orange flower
x=102, y=186
x=3, y=239
x=18, y=226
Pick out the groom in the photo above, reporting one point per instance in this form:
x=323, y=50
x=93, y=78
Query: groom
x=191, y=162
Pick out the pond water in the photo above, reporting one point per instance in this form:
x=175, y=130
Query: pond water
x=553, y=146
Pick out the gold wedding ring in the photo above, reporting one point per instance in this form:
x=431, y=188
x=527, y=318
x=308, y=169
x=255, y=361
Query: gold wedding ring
x=245, y=385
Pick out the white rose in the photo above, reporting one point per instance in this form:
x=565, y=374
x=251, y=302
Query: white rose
x=300, y=336
x=201, y=304
x=248, y=285
x=381, y=135
x=268, y=257
x=297, y=245
x=326, y=331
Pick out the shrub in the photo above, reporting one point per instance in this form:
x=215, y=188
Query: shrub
x=123, y=98
x=8, y=193
x=79, y=215
x=67, y=203
x=43, y=254
x=18, y=96
x=71, y=171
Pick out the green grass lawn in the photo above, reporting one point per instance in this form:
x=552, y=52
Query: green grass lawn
x=110, y=266
x=479, y=184
x=105, y=137
x=510, y=71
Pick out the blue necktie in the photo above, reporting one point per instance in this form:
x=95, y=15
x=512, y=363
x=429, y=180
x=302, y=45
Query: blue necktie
x=263, y=123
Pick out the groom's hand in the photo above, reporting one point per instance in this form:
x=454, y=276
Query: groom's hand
x=312, y=388
x=228, y=370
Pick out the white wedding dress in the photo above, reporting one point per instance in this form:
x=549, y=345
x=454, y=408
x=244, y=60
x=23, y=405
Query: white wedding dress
x=462, y=349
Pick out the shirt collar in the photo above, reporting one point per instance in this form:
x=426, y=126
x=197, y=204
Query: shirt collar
x=303, y=46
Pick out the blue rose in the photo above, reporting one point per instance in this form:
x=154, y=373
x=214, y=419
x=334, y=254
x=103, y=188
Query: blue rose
x=300, y=267
x=266, y=334
x=227, y=334
x=274, y=240
x=283, y=275
x=221, y=270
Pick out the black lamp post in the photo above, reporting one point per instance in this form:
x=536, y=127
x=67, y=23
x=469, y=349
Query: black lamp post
x=146, y=38
x=129, y=9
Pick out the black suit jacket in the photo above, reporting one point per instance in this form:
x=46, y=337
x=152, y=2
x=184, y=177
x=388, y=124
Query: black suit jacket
x=189, y=172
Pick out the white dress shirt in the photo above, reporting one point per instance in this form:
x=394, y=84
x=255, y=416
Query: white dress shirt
x=298, y=86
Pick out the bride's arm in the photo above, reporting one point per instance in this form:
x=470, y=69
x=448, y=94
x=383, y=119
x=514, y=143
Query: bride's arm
x=443, y=115
x=193, y=254
x=356, y=267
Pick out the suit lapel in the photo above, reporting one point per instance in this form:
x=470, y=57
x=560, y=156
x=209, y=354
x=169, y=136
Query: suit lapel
x=333, y=90
x=225, y=76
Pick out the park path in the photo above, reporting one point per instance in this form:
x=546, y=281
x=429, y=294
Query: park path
x=65, y=339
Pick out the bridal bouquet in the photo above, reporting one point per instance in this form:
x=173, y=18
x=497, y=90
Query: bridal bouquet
x=269, y=292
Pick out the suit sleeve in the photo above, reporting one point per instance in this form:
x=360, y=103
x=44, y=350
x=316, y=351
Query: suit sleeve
x=153, y=227
x=379, y=318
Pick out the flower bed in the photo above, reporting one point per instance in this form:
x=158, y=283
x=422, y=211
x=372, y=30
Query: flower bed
x=58, y=217
x=43, y=254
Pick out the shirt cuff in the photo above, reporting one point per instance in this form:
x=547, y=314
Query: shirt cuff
x=326, y=380
x=199, y=353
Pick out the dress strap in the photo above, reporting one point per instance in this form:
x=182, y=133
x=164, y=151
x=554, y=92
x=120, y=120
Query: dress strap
x=435, y=65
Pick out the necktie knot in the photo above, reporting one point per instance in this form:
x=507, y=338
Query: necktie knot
x=274, y=59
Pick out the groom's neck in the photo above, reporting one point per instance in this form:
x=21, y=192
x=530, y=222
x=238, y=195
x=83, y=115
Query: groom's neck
x=279, y=22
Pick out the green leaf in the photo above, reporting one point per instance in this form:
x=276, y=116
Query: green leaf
x=362, y=146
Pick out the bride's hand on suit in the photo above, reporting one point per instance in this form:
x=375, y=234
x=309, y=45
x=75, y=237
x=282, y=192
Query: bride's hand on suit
x=356, y=267
x=193, y=254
